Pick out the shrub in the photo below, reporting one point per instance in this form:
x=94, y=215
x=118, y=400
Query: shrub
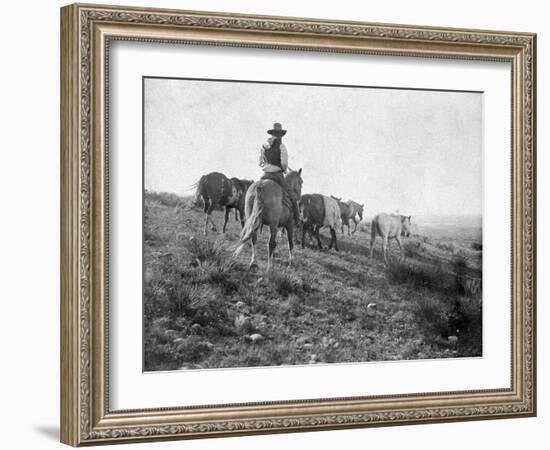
x=461, y=317
x=153, y=294
x=295, y=305
x=343, y=307
x=416, y=274
x=213, y=273
x=364, y=227
x=209, y=309
x=359, y=279
x=450, y=282
x=201, y=251
x=472, y=287
x=182, y=296
x=309, y=282
x=470, y=325
x=433, y=314
x=282, y=353
x=412, y=248
x=247, y=294
x=283, y=282
x=464, y=283
x=447, y=246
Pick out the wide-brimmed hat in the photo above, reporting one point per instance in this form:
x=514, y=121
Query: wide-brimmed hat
x=277, y=130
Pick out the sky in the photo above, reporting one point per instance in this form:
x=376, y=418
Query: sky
x=412, y=151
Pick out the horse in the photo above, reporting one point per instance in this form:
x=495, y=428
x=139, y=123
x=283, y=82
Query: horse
x=241, y=187
x=389, y=226
x=265, y=205
x=345, y=213
x=356, y=211
x=216, y=190
x=317, y=211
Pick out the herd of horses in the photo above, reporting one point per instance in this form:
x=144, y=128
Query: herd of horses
x=262, y=203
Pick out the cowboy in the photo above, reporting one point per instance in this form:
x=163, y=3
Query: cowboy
x=274, y=163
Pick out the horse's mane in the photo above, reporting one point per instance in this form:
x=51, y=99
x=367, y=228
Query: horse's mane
x=241, y=184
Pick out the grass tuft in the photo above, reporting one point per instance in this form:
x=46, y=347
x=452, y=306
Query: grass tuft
x=203, y=251
x=433, y=314
x=284, y=283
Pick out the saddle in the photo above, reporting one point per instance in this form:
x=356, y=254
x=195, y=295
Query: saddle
x=279, y=179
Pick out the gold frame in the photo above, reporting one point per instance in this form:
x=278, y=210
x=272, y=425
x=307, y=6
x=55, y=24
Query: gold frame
x=86, y=31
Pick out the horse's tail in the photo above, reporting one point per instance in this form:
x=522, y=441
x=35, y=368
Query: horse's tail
x=373, y=230
x=200, y=191
x=253, y=222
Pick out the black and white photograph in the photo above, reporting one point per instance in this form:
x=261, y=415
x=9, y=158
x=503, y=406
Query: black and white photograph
x=294, y=224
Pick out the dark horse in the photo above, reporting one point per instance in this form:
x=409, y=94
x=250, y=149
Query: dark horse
x=317, y=211
x=264, y=205
x=216, y=190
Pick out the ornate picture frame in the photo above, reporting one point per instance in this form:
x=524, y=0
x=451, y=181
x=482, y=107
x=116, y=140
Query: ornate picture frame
x=86, y=34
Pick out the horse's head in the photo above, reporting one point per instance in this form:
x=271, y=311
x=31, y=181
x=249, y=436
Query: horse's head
x=406, y=226
x=360, y=211
x=294, y=181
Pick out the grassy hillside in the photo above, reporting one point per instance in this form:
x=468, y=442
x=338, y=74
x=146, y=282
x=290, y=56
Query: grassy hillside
x=204, y=310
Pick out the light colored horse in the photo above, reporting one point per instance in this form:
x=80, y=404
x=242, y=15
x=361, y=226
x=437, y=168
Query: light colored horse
x=264, y=205
x=345, y=213
x=389, y=226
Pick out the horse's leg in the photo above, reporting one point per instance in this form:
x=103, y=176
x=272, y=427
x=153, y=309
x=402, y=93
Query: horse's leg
x=355, y=223
x=304, y=235
x=271, y=245
x=290, y=235
x=333, y=239
x=332, y=232
x=212, y=224
x=385, y=243
x=398, y=239
x=206, y=208
x=226, y=218
x=209, y=218
x=372, y=239
x=241, y=215
x=371, y=247
x=253, y=241
x=316, y=231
